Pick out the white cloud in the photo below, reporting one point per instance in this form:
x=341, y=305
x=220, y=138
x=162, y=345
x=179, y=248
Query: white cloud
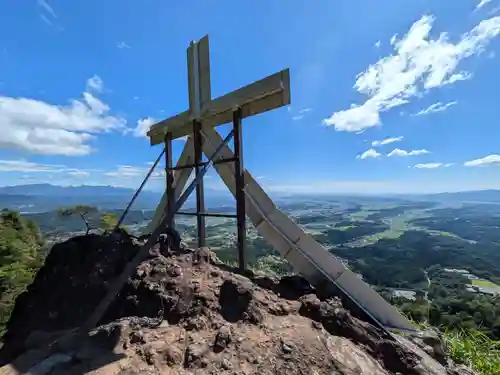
x=419, y=65
x=95, y=84
x=79, y=174
x=19, y=171
x=482, y=3
x=39, y=127
x=371, y=153
x=432, y=165
x=47, y=170
x=399, y=152
x=95, y=104
x=26, y=166
x=125, y=171
x=436, y=107
x=46, y=20
x=129, y=171
x=490, y=159
x=47, y=8
x=377, y=44
x=301, y=114
x=143, y=126
x=428, y=165
x=122, y=45
x=387, y=141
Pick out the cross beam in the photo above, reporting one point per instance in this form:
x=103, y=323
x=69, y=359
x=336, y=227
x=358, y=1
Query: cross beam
x=269, y=93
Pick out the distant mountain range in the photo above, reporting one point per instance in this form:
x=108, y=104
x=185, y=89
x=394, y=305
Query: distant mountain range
x=480, y=196
x=469, y=196
x=47, y=197
x=56, y=190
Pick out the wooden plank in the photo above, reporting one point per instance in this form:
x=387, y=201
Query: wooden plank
x=192, y=73
x=257, y=90
x=261, y=96
x=204, y=71
x=172, y=123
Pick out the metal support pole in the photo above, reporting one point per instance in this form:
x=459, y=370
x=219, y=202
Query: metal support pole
x=169, y=178
x=240, y=185
x=125, y=212
x=200, y=197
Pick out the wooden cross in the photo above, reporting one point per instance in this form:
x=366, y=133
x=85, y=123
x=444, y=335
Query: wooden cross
x=260, y=96
x=269, y=93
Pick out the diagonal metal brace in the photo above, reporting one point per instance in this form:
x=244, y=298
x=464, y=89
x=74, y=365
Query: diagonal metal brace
x=118, y=284
x=150, y=172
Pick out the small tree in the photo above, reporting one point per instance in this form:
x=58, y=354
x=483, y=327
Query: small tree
x=81, y=210
x=108, y=222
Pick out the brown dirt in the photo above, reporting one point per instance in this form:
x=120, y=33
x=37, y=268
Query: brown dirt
x=215, y=321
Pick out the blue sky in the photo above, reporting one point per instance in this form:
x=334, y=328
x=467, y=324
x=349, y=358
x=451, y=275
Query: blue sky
x=387, y=96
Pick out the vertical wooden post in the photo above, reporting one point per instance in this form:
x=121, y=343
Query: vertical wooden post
x=169, y=173
x=200, y=196
x=240, y=185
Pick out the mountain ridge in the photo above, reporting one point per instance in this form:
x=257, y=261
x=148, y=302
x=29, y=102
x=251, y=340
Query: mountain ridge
x=47, y=197
x=41, y=188
x=50, y=189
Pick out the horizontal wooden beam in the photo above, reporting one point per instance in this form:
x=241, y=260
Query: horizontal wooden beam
x=269, y=93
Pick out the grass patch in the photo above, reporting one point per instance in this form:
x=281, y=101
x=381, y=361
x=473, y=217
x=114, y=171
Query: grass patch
x=475, y=350
x=346, y=227
x=373, y=238
x=484, y=283
x=472, y=348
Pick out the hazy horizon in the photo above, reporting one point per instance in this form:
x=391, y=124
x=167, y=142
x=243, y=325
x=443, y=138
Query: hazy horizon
x=288, y=192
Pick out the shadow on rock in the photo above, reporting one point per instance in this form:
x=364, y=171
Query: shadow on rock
x=234, y=300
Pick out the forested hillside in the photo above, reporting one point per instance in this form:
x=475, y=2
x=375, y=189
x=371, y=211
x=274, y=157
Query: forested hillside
x=22, y=251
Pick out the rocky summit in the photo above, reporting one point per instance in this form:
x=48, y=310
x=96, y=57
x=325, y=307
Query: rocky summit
x=185, y=312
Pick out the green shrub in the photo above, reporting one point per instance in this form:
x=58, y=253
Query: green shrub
x=22, y=251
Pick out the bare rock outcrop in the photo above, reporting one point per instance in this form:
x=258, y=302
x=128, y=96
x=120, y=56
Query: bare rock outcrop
x=186, y=313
